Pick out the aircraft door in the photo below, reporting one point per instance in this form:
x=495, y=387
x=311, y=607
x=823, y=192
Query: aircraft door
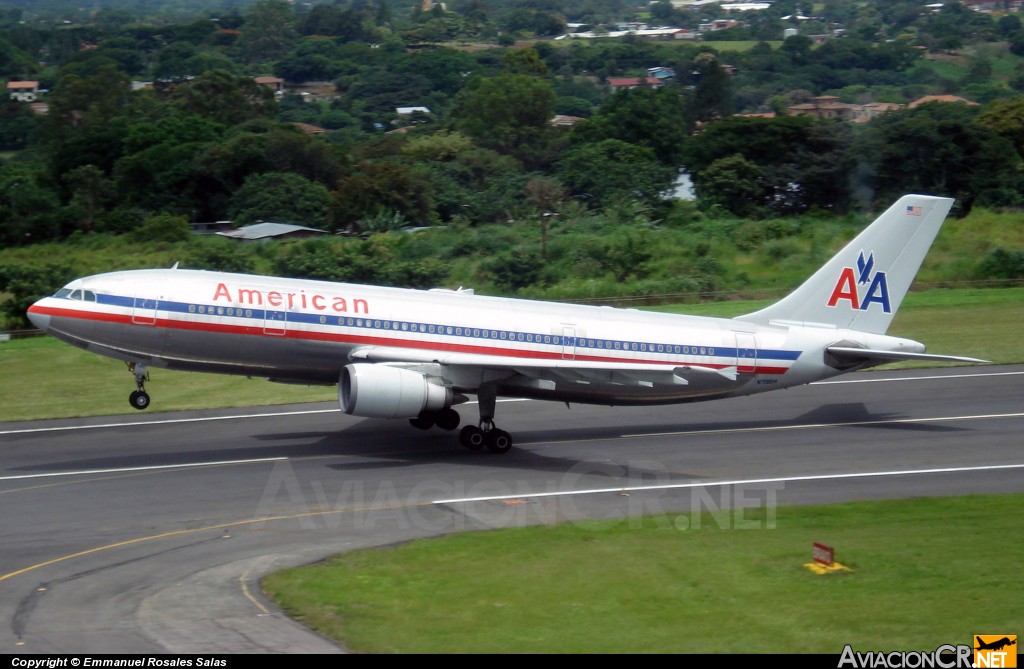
x=746, y=352
x=568, y=342
x=144, y=311
x=275, y=322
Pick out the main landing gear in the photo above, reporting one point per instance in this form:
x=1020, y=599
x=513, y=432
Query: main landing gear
x=446, y=419
x=474, y=438
x=140, y=398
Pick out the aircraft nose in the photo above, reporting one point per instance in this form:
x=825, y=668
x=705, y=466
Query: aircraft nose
x=39, y=319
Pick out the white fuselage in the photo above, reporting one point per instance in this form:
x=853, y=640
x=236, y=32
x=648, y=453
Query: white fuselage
x=307, y=331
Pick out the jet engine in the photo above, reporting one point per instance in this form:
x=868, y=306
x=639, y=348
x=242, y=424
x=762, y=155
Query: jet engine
x=380, y=391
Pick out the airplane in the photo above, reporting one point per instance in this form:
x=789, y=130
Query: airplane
x=998, y=644
x=415, y=354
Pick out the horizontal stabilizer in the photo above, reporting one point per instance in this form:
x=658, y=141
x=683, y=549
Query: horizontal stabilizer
x=854, y=355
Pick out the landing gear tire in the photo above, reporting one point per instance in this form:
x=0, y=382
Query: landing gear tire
x=139, y=400
x=472, y=437
x=447, y=419
x=499, y=441
x=423, y=421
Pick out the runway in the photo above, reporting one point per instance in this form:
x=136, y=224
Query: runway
x=148, y=533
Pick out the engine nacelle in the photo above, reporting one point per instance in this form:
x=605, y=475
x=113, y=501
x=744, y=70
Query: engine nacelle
x=380, y=391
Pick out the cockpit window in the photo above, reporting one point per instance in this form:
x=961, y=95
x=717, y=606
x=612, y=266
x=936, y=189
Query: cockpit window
x=70, y=292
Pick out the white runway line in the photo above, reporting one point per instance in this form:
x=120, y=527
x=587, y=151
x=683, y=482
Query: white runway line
x=914, y=378
x=124, y=470
x=714, y=484
x=811, y=426
x=172, y=421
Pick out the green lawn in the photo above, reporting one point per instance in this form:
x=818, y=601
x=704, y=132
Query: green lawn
x=926, y=572
x=46, y=378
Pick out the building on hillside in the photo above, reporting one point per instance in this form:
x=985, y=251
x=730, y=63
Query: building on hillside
x=275, y=84
x=872, y=110
x=718, y=24
x=622, y=83
x=829, y=106
x=746, y=6
x=23, y=91
x=266, y=231
x=941, y=98
x=309, y=128
x=823, y=106
x=209, y=228
x=313, y=91
x=565, y=120
x=728, y=7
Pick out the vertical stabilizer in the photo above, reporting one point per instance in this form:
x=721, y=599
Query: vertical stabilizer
x=863, y=285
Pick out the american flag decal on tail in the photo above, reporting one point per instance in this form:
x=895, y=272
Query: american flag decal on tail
x=913, y=211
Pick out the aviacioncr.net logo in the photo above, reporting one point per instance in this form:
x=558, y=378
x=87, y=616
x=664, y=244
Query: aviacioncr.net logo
x=946, y=656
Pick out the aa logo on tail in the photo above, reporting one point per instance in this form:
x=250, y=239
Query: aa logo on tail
x=862, y=287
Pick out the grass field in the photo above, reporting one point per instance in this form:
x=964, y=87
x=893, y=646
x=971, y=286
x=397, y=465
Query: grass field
x=46, y=378
x=925, y=572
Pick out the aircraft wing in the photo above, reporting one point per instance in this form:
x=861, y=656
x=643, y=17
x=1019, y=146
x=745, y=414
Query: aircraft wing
x=854, y=355
x=574, y=370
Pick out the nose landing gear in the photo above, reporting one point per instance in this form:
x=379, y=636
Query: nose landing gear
x=139, y=399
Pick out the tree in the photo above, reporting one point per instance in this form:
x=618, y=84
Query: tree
x=733, y=183
x=376, y=187
x=798, y=49
x=268, y=32
x=712, y=97
x=224, y=98
x=332, y=21
x=759, y=140
x=26, y=206
x=282, y=197
x=603, y=172
x=651, y=118
x=79, y=104
x=91, y=189
x=936, y=148
x=801, y=162
x=17, y=125
x=508, y=113
x=523, y=61
x=25, y=283
x=156, y=171
x=1005, y=118
x=173, y=61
